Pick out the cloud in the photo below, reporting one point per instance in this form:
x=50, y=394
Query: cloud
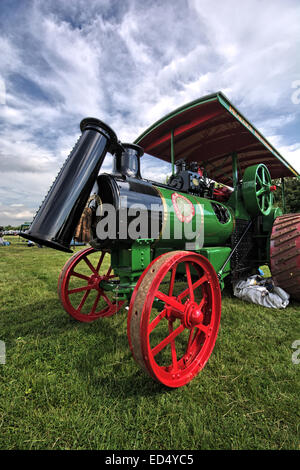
x=129, y=63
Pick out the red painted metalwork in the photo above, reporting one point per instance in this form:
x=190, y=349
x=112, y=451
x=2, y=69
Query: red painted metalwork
x=206, y=131
x=185, y=213
x=222, y=194
x=74, y=271
x=172, y=344
x=285, y=253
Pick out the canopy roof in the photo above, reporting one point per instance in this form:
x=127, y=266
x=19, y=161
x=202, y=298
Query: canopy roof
x=208, y=131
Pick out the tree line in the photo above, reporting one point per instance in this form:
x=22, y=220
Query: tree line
x=292, y=194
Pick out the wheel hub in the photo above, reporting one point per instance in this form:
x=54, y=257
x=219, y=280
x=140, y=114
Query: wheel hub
x=192, y=315
x=94, y=281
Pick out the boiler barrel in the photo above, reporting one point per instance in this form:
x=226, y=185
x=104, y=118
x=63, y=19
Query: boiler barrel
x=211, y=221
x=172, y=219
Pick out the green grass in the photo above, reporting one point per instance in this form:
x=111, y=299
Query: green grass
x=70, y=385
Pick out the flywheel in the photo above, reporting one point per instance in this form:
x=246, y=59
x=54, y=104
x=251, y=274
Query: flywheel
x=257, y=190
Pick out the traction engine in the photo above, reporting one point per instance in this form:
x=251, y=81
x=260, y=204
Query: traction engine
x=166, y=249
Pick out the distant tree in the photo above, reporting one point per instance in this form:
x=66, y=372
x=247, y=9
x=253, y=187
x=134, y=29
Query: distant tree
x=292, y=194
x=11, y=227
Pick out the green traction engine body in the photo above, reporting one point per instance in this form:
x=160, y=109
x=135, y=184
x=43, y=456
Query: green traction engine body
x=217, y=202
x=168, y=248
x=183, y=220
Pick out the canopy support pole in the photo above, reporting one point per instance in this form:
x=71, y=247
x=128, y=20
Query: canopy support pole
x=234, y=170
x=235, y=176
x=283, y=195
x=172, y=151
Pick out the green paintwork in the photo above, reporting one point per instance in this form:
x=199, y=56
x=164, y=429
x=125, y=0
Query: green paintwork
x=258, y=198
x=182, y=109
x=141, y=254
x=217, y=255
x=249, y=199
x=236, y=203
x=267, y=221
x=129, y=263
x=215, y=233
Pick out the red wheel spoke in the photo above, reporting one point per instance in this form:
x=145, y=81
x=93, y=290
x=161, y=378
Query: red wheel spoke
x=157, y=319
x=95, y=303
x=81, y=276
x=172, y=280
x=201, y=305
x=83, y=300
x=111, y=276
x=90, y=265
x=79, y=289
x=189, y=279
x=194, y=286
x=171, y=301
x=108, y=272
x=100, y=261
x=190, y=340
x=106, y=299
x=173, y=348
x=167, y=340
x=204, y=328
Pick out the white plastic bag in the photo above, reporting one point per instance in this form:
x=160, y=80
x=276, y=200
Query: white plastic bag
x=250, y=290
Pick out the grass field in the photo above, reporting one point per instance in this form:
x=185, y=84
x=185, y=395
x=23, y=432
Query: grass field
x=69, y=385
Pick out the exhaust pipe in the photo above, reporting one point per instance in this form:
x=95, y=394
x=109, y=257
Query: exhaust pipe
x=57, y=218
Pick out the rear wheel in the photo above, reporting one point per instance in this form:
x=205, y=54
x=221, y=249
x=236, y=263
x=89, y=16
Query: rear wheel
x=81, y=286
x=285, y=253
x=174, y=317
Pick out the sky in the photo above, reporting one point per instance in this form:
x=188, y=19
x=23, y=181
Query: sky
x=128, y=63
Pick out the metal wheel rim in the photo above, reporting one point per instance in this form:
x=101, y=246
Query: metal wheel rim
x=201, y=337
x=90, y=284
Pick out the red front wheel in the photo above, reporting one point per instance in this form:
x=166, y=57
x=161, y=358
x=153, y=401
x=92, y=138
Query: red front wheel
x=174, y=317
x=81, y=286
